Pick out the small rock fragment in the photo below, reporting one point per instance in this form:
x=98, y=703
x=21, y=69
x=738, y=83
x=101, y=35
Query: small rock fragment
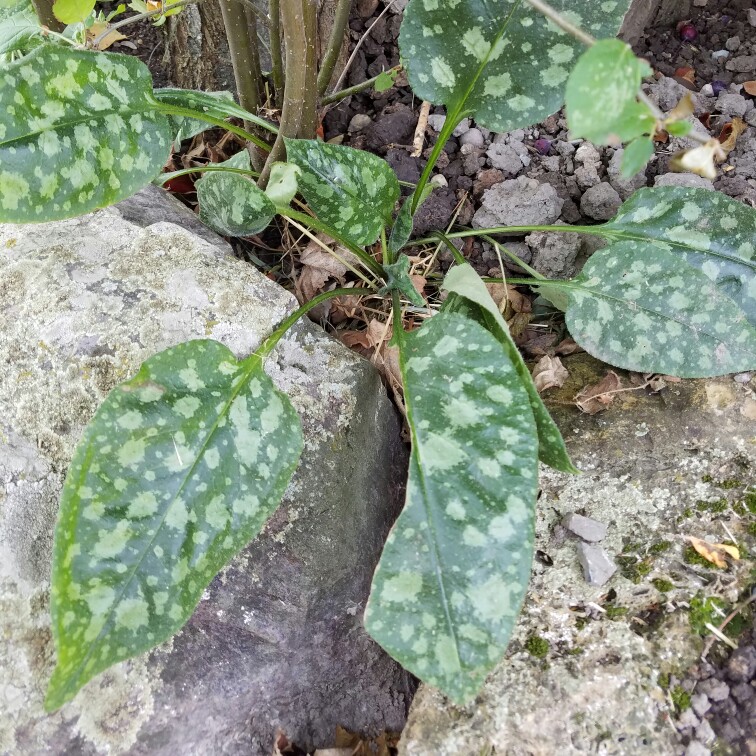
x=503, y=157
x=715, y=690
x=359, y=122
x=697, y=749
x=521, y=201
x=601, y=202
x=554, y=254
x=598, y=568
x=687, y=719
x=586, y=528
x=700, y=704
x=731, y=104
x=624, y=186
x=705, y=734
x=742, y=64
x=474, y=137
x=741, y=666
x=684, y=179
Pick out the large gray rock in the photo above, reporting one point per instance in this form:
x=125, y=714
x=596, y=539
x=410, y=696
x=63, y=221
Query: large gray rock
x=646, y=462
x=277, y=640
x=518, y=202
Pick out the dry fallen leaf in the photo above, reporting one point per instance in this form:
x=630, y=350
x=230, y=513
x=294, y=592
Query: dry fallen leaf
x=750, y=88
x=549, y=373
x=596, y=398
x=567, y=347
x=98, y=28
x=730, y=133
x=716, y=553
x=318, y=267
x=700, y=160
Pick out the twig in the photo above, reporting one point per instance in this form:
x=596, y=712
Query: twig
x=349, y=62
x=718, y=631
x=356, y=89
x=422, y=123
x=335, y=43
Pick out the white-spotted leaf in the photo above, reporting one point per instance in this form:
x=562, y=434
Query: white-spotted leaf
x=82, y=132
x=232, y=204
x=477, y=303
x=179, y=469
x=713, y=233
x=499, y=60
x=20, y=31
x=352, y=191
x=214, y=104
x=644, y=308
x=602, y=95
x=453, y=574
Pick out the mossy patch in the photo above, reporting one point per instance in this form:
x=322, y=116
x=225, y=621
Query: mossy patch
x=680, y=698
x=537, y=646
x=662, y=584
x=705, y=611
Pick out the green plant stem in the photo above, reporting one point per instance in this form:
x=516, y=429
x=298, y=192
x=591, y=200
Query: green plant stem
x=307, y=220
x=272, y=341
x=243, y=51
x=177, y=110
x=335, y=43
x=452, y=121
x=517, y=231
x=160, y=180
x=557, y=18
x=138, y=17
x=274, y=26
x=444, y=239
x=356, y=89
x=295, y=91
x=512, y=256
x=44, y=11
x=309, y=123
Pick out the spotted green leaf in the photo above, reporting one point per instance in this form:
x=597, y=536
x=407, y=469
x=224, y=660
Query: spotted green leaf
x=81, y=133
x=352, y=191
x=644, y=308
x=636, y=155
x=179, y=469
x=72, y=11
x=215, y=104
x=473, y=300
x=21, y=31
x=10, y=8
x=498, y=60
x=602, y=91
x=713, y=233
x=455, y=568
x=283, y=183
x=232, y=204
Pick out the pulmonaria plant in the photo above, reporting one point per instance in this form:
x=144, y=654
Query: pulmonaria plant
x=183, y=464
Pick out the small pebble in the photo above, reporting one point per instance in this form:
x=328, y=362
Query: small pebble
x=715, y=690
x=586, y=528
x=697, y=749
x=700, y=704
x=743, y=377
x=598, y=568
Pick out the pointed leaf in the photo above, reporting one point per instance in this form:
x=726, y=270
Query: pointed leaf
x=402, y=229
x=233, y=205
x=466, y=283
x=602, y=92
x=179, y=469
x=500, y=60
x=283, y=183
x=83, y=133
x=642, y=308
x=215, y=104
x=455, y=568
x=636, y=155
x=350, y=190
x=713, y=233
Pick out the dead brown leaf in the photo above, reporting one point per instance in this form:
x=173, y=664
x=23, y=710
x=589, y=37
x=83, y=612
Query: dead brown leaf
x=318, y=267
x=567, y=347
x=730, y=133
x=716, y=553
x=549, y=373
x=750, y=88
x=596, y=398
x=110, y=38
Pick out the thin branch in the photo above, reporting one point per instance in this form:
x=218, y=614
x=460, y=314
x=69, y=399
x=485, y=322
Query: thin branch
x=356, y=89
x=243, y=51
x=44, y=11
x=274, y=26
x=349, y=62
x=335, y=43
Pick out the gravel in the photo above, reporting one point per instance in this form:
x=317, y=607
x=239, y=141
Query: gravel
x=600, y=202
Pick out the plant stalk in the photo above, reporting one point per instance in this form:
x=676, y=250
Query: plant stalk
x=356, y=89
x=309, y=123
x=44, y=11
x=274, y=26
x=335, y=43
x=272, y=341
x=517, y=231
x=243, y=51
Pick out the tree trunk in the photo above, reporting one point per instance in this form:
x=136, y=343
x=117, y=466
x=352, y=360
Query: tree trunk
x=644, y=13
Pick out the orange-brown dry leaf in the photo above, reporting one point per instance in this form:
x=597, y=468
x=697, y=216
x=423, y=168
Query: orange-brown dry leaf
x=750, y=88
x=596, y=398
x=112, y=36
x=716, y=553
x=549, y=373
x=568, y=346
x=730, y=133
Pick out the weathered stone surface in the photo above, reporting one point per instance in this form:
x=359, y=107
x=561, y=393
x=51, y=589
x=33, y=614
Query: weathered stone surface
x=645, y=462
x=518, y=202
x=277, y=640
